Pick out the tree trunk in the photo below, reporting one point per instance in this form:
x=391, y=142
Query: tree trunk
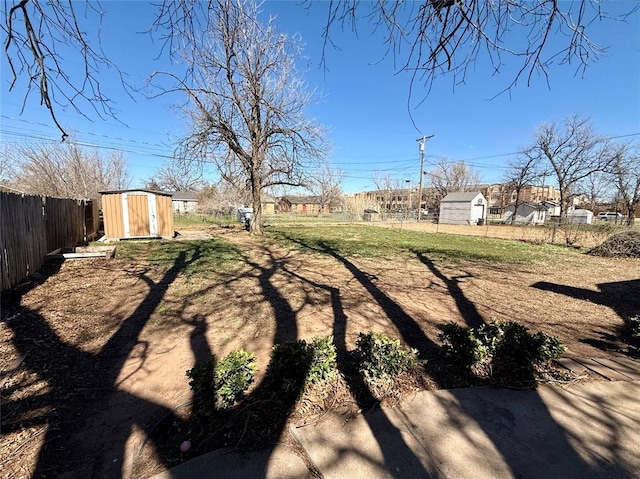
x=255, y=227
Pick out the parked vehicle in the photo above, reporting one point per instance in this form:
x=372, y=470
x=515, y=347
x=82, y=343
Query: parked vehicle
x=610, y=216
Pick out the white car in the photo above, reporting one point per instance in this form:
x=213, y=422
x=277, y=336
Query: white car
x=609, y=216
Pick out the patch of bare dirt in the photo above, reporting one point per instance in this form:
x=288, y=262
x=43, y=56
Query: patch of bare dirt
x=94, y=352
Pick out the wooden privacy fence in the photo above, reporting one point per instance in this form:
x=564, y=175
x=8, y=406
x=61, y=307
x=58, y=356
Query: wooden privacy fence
x=31, y=227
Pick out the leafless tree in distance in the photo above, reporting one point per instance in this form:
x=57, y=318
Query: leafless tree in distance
x=69, y=171
x=448, y=176
x=626, y=171
x=599, y=187
x=386, y=188
x=246, y=101
x=177, y=175
x=521, y=171
x=427, y=38
x=573, y=152
x=325, y=183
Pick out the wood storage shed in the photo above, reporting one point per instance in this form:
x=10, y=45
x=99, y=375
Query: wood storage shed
x=463, y=209
x=137, y=214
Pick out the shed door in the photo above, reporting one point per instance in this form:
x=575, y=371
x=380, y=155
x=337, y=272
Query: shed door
x=138, y=209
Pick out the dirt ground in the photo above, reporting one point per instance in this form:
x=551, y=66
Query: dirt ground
x=94, y=352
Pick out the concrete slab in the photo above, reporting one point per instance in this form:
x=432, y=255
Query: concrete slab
x=584, y=430
x=572, y=365
x=279, y=463
x=625, y=366
x=602, y=370
x=188, y=235
x=587, y=430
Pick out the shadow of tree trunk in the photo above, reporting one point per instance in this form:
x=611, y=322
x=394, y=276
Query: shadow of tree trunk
x=82, y=389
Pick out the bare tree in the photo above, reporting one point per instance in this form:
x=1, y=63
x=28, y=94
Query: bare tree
x=246, y=103
x=69, y=171
x=599, y=187
x=177, y=175
x=436, y=37
x=386, y=188
x=324, y=182
x=7, y=165
x=218, y=198
x=627, y=178
x=521, y=171
x=449, y=177
x=428, y=38
x=573, y=151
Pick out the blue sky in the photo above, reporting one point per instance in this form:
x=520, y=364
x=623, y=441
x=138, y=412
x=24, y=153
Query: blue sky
x=364, y=100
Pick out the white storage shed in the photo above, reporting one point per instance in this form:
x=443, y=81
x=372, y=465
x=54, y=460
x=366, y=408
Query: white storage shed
x=464, y=208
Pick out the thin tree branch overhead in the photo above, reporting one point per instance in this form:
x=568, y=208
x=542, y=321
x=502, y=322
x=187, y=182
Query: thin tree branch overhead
x=36, y=34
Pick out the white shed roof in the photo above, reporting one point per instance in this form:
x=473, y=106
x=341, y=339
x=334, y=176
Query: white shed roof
x=461, y=197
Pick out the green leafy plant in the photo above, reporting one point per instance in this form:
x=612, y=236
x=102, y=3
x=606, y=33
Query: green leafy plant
x=632, y=327
x=500, y=349
x=461, y=346
x=301, y=362
x=323, y=360
x=379, y=356
x=226, y=382
x=289, y=367
x=233, y=376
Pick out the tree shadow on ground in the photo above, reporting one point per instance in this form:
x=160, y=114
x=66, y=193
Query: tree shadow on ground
x=82, y=389
x=413, y=336
x=410, y=465
x=465, y=306
x=623, y=297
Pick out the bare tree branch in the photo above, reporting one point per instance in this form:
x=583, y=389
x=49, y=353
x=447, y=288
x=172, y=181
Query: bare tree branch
x=35, y=35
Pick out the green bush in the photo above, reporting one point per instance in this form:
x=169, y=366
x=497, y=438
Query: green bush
x=226, y=382
x=461, y=346
x=299, y=361
x=233, y=376
x=289, y=367
x=379, y=356
x=323, y=360
x=632, y=327
x=505, y=349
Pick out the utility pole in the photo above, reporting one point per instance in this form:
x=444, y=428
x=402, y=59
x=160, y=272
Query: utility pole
x=422, y=141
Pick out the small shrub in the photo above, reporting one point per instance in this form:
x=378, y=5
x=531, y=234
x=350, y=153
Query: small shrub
x=323, y=360
x=379, y=356
x=299, y=362
x=632, y=327
x=226, y=382
x=201, y=377
x=461, y=346
x=500, y=349
x=548, y=347
x=233, y=376
x=289, y=366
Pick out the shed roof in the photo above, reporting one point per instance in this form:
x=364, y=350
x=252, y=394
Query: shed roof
x=142, y=190
x=535, y=206
x=184, y=195
x=461, y=197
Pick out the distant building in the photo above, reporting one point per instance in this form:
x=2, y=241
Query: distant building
x=184, y=202
x=528, y=213
x=301, y=205
x=463, y=208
